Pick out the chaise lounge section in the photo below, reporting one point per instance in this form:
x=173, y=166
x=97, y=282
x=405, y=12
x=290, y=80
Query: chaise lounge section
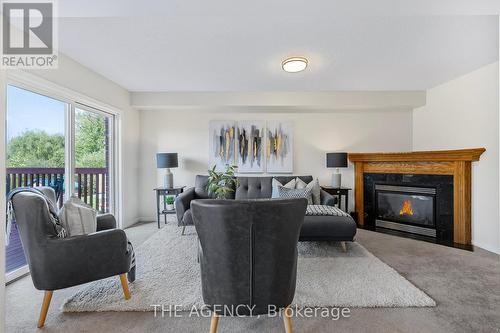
x=314, y=228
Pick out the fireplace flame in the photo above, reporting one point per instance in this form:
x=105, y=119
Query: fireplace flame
x=406, y=208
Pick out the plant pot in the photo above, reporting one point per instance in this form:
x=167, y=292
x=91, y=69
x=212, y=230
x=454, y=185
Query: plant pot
x=170, y=206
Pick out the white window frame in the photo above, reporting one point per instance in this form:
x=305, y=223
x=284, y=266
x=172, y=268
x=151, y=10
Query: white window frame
x=74, y=100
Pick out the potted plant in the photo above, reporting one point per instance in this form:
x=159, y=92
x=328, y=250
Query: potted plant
x=169, y=200
x=220, y=184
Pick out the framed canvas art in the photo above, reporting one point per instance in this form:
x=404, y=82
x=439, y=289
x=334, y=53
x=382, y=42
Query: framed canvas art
x=250, y=146
x=279, y=147
x=222, y=138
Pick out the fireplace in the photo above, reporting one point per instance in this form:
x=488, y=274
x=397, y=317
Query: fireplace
x=447, y=210
x=416, y=206
x=406, y=208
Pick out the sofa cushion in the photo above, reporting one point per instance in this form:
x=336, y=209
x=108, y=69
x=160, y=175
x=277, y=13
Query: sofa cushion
x=260, y=187
x=254, y=188
x=315, y=189
x=290, y=193
x=276, y=184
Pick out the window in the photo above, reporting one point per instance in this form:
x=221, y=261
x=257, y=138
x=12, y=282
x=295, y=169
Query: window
x=58, y=143
x=35, y=152
x=93, y=148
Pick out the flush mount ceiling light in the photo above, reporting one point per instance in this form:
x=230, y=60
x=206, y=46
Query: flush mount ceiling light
x=294, y=64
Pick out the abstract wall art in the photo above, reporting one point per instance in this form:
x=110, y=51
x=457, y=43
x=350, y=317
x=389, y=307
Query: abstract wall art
x=222, y=143
x=250, y=146
x=279, y=147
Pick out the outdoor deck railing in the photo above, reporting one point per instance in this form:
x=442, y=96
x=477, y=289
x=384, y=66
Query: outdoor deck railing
x=91, y=183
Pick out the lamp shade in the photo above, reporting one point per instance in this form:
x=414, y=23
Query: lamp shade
x=336, y=160
x=166, y=160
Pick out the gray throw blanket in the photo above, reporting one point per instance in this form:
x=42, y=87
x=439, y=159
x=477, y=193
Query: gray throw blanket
x=323, y=210
x=58, y=228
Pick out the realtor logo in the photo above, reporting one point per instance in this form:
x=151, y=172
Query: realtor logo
x=28, y=37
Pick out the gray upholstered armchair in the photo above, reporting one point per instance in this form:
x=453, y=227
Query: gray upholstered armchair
x=248, y=254
x=57, y=263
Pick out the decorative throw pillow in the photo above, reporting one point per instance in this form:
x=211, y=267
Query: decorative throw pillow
x=315, y=189
x=77, y=217
x=276, y=183
x=288, y=193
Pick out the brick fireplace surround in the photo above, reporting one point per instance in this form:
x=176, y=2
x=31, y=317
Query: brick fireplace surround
x=456, y=163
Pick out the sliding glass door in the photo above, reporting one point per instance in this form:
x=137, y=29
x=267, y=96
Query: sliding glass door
x=35, y=152
x=93, y=150
x=57, y=143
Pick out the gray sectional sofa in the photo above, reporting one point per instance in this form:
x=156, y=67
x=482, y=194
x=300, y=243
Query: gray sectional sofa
x=314, y=228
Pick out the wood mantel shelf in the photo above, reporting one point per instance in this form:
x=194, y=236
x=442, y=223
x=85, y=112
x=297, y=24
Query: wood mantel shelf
x=420, y=156
x=440, y=162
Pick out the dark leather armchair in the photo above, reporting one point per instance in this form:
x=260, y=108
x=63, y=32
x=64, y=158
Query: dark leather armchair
x=57, y=263
x=248, y=254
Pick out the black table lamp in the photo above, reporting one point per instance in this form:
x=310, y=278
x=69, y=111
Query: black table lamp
x=167, y=161
x=336, y=160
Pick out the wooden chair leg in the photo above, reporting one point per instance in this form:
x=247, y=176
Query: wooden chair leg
x=344, y=246
x=45, y=307
x=287, y=319
x=214, y=322
x=123, y=280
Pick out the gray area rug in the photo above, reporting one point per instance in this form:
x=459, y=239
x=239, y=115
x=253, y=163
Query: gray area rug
x=168, y=274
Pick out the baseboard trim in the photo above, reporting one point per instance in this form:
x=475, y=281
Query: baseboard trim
x=146, y=219
x=16, y=274
x=486, y=248
x=132, y=222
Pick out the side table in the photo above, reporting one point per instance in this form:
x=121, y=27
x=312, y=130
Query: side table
x=339, y=192
x=162, y=193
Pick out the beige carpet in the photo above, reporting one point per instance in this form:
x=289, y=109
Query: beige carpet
x=168, y=274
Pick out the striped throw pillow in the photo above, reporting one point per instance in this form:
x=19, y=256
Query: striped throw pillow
x=289, y=193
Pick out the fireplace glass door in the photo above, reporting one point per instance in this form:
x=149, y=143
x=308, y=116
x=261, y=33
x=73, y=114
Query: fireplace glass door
x=405, y=205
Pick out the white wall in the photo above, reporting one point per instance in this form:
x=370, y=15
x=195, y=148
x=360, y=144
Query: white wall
x=130, y=162
x=72, y=75
x=315, y=134
x=463, y=113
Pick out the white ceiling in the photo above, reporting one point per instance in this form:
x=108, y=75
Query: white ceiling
x=235, y=46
